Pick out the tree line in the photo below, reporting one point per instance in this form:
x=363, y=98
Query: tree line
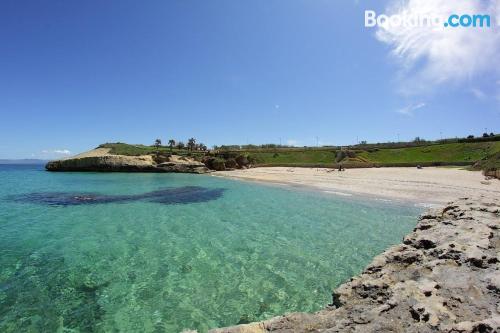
x=191, y=145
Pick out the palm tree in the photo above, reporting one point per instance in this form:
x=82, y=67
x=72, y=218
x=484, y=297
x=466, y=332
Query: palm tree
x=191, y=143
x=171, y=143
x=157, y=145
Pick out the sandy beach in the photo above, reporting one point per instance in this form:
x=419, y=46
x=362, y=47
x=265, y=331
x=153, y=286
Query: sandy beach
x=425, y=186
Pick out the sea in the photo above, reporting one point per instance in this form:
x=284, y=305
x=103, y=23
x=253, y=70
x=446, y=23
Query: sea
x=149, y=252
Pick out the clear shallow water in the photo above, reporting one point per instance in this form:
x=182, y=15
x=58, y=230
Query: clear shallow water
x=226, y=252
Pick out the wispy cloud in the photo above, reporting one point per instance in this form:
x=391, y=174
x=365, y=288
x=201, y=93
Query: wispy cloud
x=292, y=142
x=410, y=109
x=56, y=152
x=479, y=94
x=431, y=56
x=52, y=153
x=48, y=154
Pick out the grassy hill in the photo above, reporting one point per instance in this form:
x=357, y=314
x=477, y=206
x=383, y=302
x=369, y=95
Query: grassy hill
x=464, y=153
x=490, y=163
x=432, y=154
x=449, y=153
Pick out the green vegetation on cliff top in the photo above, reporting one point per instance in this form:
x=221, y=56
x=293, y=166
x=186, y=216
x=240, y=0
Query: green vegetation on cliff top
x=136, y=150
x=464, y=153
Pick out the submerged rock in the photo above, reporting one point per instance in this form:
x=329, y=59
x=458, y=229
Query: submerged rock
x=444, y=278
x=167, y=196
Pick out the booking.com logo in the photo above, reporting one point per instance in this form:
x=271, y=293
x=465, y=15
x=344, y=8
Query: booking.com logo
x=453, y=21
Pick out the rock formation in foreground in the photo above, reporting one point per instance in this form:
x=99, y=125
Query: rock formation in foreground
x=445, y=277
x=100, y=159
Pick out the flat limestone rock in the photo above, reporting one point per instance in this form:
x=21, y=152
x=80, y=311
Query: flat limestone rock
x=101, y=160
x=445, y=277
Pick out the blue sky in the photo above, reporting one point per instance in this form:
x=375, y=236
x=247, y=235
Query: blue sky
x=74, y=74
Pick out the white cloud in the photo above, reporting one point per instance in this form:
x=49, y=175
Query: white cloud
x=62, y=151
x=292, y=142
x=479, y=94
x=430, y=56
x=409, y=109
x=56, y=152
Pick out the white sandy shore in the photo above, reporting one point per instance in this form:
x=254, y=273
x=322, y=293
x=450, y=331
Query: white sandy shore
x=426, y=186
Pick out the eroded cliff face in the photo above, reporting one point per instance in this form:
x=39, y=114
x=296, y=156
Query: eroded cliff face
x=444, y=277
x=101, y=160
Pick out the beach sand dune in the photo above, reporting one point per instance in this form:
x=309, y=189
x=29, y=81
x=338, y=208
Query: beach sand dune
x=433, y=185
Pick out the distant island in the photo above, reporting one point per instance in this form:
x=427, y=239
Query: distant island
x=22, y=161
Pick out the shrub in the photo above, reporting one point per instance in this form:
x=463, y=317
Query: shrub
x=231, y=163
x=215, y=163
x=252, y=159
x=242, y=160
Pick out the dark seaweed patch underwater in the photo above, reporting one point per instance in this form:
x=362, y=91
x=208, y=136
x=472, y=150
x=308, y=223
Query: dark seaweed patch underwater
x=167, y=196
x=80, y=252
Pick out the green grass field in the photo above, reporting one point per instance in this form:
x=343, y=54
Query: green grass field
x=490, y=163
x=310, y=156
x=439, y=154
x=449, y=153
x=432, y=154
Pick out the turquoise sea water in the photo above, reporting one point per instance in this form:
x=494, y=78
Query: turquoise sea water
x=101, y=252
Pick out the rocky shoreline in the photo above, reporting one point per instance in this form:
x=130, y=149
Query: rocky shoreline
x=100, y=159
x=444, y=277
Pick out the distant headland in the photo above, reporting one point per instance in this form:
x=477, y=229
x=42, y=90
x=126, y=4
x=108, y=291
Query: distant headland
x=22, y=161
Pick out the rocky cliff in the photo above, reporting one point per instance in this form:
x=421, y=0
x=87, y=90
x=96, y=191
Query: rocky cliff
x=101, y=160
x=444, y=277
